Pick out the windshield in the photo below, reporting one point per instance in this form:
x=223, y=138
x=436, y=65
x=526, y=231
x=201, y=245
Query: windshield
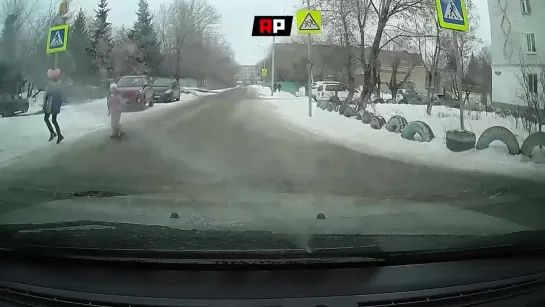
x=162, y=83
x=437, y=126
x=130, y=82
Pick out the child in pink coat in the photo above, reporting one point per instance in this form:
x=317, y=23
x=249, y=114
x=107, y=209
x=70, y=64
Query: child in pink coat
x=116, y=104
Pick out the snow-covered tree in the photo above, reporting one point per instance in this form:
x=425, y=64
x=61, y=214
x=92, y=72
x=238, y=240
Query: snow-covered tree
x=144, y=35
x=101, y=43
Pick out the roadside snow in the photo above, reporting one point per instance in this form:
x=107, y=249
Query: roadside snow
x=25, y=133
x=353, y=134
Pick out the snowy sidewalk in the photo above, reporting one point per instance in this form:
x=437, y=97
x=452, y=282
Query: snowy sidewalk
x=354, y=134
x=25, y=133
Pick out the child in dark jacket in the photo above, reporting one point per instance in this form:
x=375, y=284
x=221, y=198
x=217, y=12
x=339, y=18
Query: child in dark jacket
x=53, y=100
x=116, y=104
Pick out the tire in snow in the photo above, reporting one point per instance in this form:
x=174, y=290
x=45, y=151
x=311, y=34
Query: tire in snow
x=377, y=122
x=391, y=101
x=396, y=124
x=366, y=117
x=341, y=109
x=350, y=111
x=533, y=140
x=417, y=127
x=378, y=100
x=499, y=133
x=458, y=141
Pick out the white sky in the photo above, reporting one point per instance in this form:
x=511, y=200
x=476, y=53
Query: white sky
x=237, y=19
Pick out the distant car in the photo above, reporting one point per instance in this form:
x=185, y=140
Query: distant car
x=166, y=90
x=137, y=90
x=326, y=91
x=10, y=105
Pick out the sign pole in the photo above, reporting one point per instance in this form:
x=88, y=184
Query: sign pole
x=452, y=15
x=458, y=77
x=272, y=68
x=309, y=68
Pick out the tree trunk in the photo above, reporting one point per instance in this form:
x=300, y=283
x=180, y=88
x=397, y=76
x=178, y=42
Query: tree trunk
x=434, y=65
x=369, y=74
x=393, y=91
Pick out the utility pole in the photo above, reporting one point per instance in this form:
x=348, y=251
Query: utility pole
x=309, y=68
x=272, y=68
x=61, y=20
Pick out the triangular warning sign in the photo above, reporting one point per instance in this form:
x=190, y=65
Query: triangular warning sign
x=309, y=23
x=452, y=12
x=57, y=40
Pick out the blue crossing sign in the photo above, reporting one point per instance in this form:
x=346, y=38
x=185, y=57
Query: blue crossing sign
x=57, y=39
x=452, y=14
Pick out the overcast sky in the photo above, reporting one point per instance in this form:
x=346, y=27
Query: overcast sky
x=237, y=18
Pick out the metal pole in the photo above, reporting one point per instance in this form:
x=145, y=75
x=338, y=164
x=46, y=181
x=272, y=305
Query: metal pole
x=272, y=68
x=459, y=77
x=309, y=68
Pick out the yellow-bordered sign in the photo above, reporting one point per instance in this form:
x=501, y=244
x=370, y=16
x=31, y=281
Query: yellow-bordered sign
x=452, y=14
x=264, y=72
x=57, y=39
x=309, y=22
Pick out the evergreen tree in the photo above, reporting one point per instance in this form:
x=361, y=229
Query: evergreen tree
x=79, y=43
x=10, y=78
x=145, y=36
x=101, y=44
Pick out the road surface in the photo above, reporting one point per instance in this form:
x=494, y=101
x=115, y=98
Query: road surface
x=228, y=141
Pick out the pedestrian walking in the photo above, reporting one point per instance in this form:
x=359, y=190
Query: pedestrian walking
x=279, y=87
x=54, y=98
x=115, y=108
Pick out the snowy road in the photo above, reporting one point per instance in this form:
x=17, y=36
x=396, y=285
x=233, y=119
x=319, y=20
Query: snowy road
x=225, y=140
x=191, y=157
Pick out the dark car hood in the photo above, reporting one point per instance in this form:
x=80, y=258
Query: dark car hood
x=275, y=212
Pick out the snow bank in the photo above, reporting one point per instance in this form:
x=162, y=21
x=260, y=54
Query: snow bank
x=27, y=132
x=358, y=136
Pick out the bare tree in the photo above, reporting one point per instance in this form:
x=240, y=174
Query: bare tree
x=24, y=10
x=531, y=92
x=428, y=42
x=185, y=22
x=123, y=54
x=399, y=77
x=385, y=13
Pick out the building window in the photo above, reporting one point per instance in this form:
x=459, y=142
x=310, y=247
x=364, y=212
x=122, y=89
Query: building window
x=532, y=83
x=530, y=42
x=525, y=6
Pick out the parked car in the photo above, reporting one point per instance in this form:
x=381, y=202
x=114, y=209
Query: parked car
x=316, y=85
x=137, y=90
x=166, y=90
x=327, y=90
x=10, y=105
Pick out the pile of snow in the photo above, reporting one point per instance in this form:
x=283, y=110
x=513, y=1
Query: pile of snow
x=354, y=134
x=27, y=132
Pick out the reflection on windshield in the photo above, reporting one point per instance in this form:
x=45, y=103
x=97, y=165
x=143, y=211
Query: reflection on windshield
x=393, y=126
x=130, y=82
x=162, y=83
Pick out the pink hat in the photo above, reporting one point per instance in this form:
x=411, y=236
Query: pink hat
x=53, y=73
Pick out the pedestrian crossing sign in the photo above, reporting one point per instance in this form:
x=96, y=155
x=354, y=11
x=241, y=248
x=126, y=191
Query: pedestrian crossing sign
x=57, y=39
x=264, y=72
x=309, y=22
x=452, y=14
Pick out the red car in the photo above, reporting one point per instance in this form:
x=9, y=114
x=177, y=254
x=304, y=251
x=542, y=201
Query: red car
x=137, y=90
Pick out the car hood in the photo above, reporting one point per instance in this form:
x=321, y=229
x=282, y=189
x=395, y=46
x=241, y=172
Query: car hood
x=243, y=210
